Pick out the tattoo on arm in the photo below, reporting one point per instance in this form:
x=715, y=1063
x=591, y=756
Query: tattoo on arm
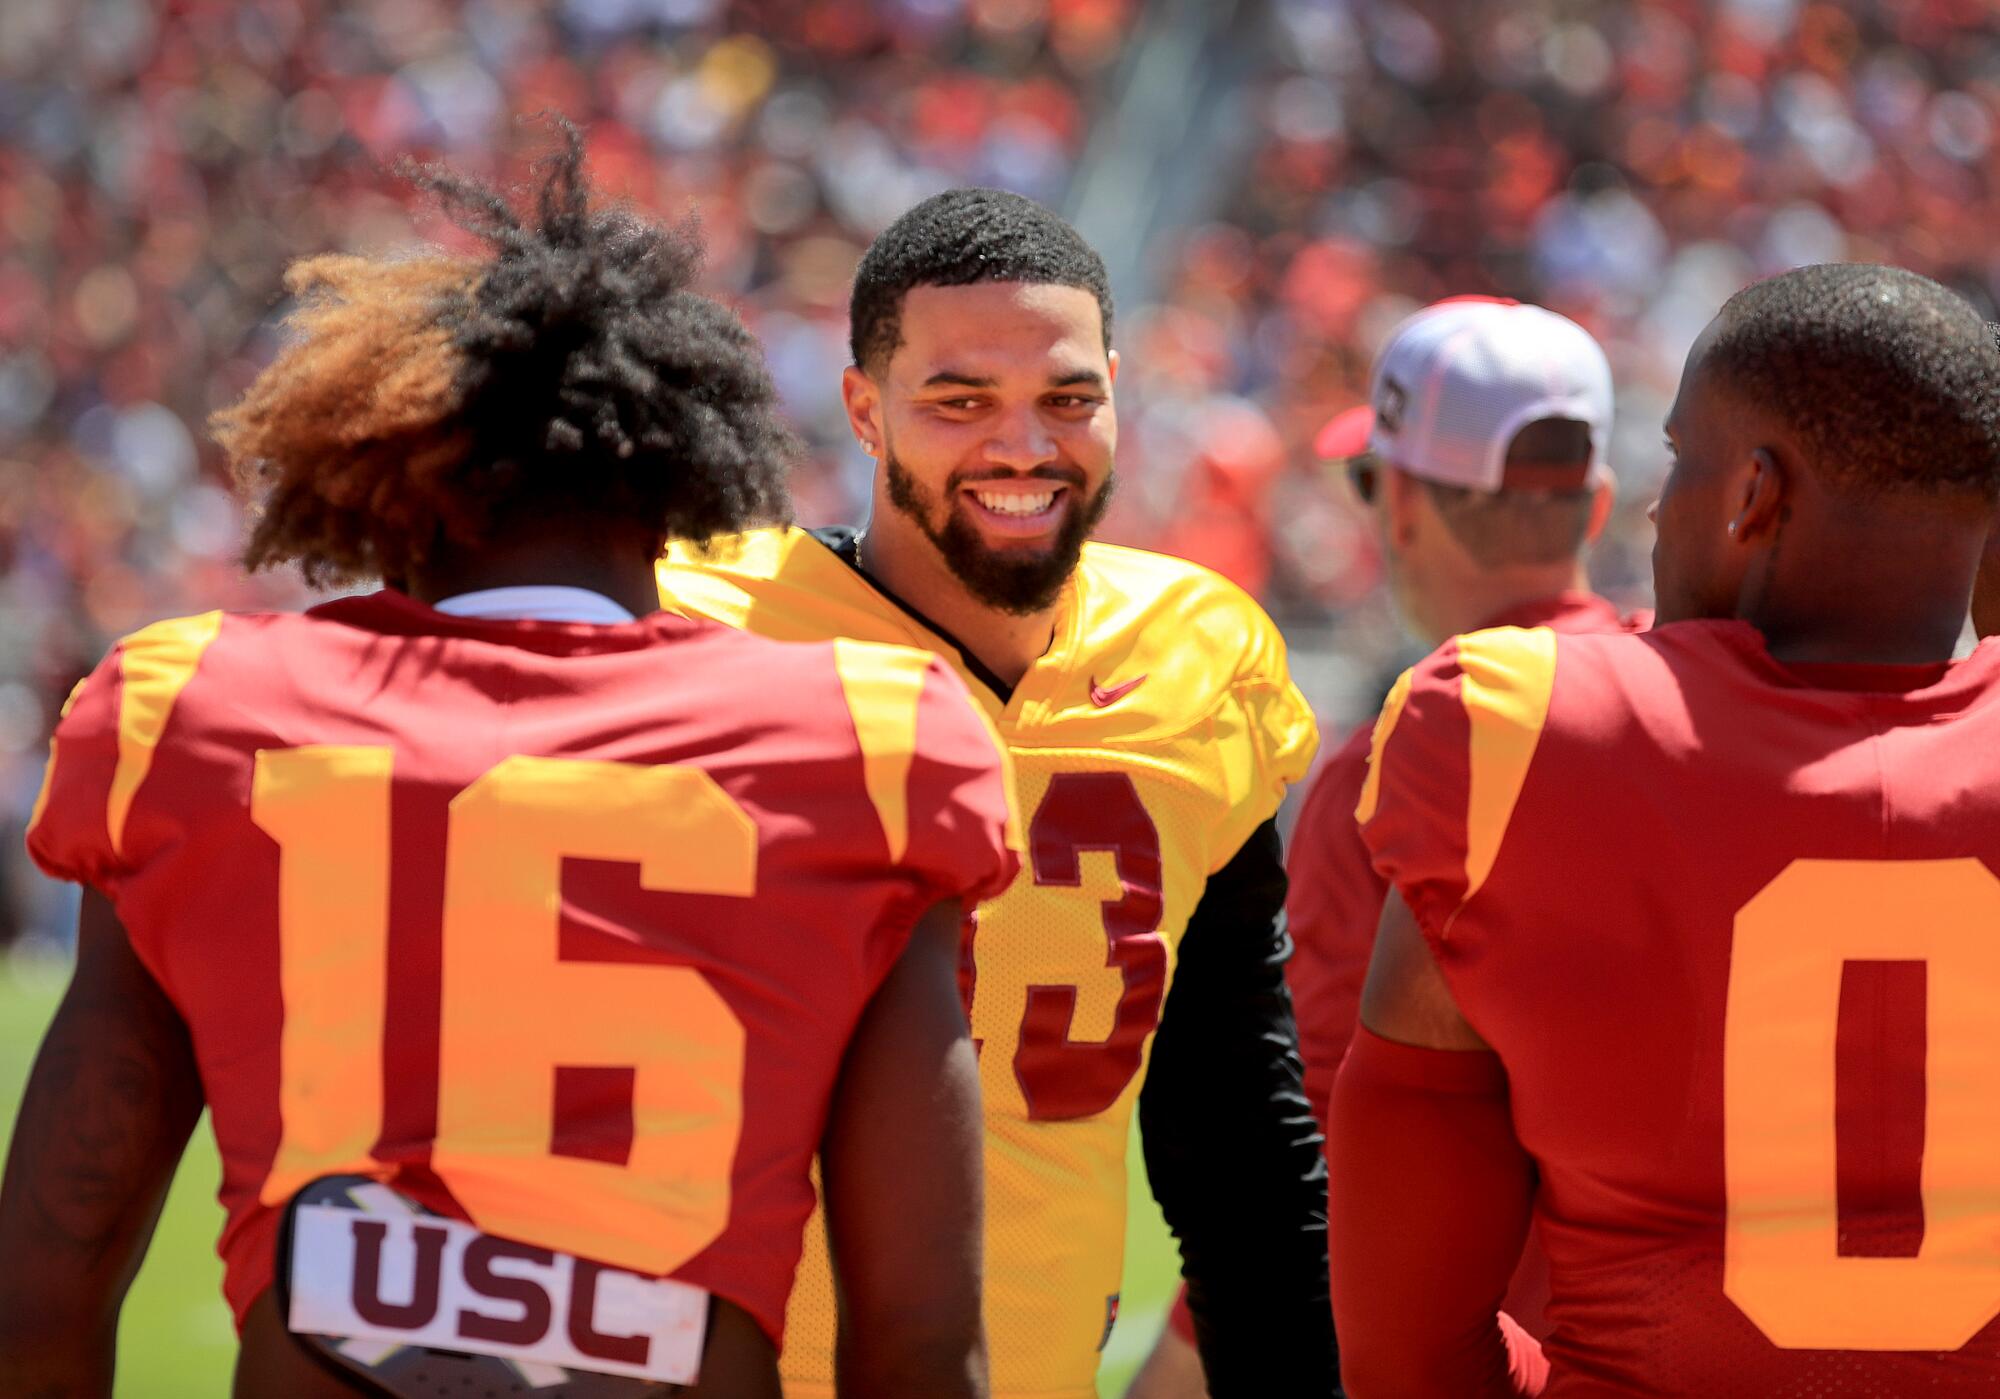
x=92, y=1124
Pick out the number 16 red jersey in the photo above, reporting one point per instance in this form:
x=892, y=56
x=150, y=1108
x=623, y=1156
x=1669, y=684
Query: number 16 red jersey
x=1733, y=928
x=559, y=928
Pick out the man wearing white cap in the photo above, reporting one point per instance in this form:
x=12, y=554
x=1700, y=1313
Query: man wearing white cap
x=1481, y=451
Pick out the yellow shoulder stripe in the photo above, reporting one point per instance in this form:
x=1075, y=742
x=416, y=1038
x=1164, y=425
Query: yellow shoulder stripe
x=698, y=581
x=1385, y=724
x=155, y=665
x=49, y=769
x=1508, y=676
x=42, y=797
x=883, y=685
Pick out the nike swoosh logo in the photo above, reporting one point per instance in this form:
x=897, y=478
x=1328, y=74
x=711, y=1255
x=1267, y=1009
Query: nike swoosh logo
x=1102, y=697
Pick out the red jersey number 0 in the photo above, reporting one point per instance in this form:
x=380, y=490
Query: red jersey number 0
x=1782, y=1261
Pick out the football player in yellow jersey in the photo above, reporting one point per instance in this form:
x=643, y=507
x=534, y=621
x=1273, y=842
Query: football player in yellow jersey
x=1153, y=729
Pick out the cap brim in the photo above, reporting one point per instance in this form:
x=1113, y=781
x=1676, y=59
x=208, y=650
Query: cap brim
x=1346, y=434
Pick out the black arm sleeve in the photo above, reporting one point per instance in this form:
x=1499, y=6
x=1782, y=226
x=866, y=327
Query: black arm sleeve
x=1232, y=1147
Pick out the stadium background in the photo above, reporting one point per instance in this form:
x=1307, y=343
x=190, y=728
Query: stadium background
x=1274, y=183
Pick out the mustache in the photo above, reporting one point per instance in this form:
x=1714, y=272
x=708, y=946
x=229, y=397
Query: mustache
x=1061, y=475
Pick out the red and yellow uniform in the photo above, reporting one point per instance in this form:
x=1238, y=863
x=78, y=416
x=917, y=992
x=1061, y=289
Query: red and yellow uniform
x=1335, y=900
x=562, y=929
x=1157, y=733
x=1730, y=926
x=1335, y=904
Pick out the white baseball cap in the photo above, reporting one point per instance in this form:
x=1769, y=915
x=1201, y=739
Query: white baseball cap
x=1459, y=378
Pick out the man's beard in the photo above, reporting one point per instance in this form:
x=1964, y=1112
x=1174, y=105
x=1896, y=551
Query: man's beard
x=1021, y=582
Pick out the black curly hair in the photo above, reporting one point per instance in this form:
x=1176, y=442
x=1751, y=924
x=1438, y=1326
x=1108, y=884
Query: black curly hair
x=1891, y=381
x=439, y=399
x=955, y=239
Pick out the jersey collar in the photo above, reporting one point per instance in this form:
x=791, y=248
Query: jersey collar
x=844, y=543
x=1570, y=610
x=549, y=602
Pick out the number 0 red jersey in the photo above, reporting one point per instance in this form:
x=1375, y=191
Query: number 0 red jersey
x=1733, y=928
x=560, y=928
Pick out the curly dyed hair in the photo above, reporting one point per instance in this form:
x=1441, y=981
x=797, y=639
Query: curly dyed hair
x=955, y=239
x=439, y=400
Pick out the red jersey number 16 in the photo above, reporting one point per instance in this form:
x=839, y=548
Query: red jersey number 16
x=513, y=1014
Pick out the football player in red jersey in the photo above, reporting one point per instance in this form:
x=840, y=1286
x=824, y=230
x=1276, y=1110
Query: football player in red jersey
x=1482, y=453
x=525, y=942
x=1691, y=950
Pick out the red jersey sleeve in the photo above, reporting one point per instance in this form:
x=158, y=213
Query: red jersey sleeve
x=1448, y=759
x=1333, y=906
x=1429, y=1206
x=103, y=749
x=69, y=834
x=935, y=770
x=965, y=835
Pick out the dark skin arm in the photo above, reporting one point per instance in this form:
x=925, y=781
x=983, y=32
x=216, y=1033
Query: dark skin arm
x=1406, y=998
x=109, y=1105
x=901, y=1165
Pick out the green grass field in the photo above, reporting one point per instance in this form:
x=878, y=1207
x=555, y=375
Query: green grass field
x=176, y=1341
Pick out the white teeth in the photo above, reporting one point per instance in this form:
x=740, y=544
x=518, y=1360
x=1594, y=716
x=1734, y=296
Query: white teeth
x=1008, y=503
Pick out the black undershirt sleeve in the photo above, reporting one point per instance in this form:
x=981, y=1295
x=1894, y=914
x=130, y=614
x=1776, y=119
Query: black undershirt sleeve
x=1232, y=1147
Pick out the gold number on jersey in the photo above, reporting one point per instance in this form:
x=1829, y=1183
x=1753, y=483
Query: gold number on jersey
x=514, y=1013
x=1782, y=1264
x=328, y=810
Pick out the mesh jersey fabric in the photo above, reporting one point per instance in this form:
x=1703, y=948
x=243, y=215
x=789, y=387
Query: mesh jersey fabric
x=1128, y=806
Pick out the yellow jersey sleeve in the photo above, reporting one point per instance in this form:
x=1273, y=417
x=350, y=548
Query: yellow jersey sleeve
x=1265, y=732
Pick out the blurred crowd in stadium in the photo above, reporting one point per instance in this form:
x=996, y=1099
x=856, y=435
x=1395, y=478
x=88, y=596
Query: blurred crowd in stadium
x=1630, y=163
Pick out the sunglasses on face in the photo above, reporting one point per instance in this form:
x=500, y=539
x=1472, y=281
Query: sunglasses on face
x=1364, y=474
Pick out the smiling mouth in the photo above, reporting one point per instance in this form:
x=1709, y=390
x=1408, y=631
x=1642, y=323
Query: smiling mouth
x=1016, y=511
x=1008, y=504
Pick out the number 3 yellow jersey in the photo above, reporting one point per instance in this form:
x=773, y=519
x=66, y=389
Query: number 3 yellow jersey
x=1157, y=733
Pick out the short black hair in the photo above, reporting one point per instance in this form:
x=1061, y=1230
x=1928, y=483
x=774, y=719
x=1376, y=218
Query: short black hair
x=573, y=372
x=955, y=239
x=1891, y=381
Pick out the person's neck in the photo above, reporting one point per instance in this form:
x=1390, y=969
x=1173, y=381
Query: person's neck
x=617, y=569
x=903, y=560
x=1909, y=609
x=1919, y=633
x=1477, y=599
